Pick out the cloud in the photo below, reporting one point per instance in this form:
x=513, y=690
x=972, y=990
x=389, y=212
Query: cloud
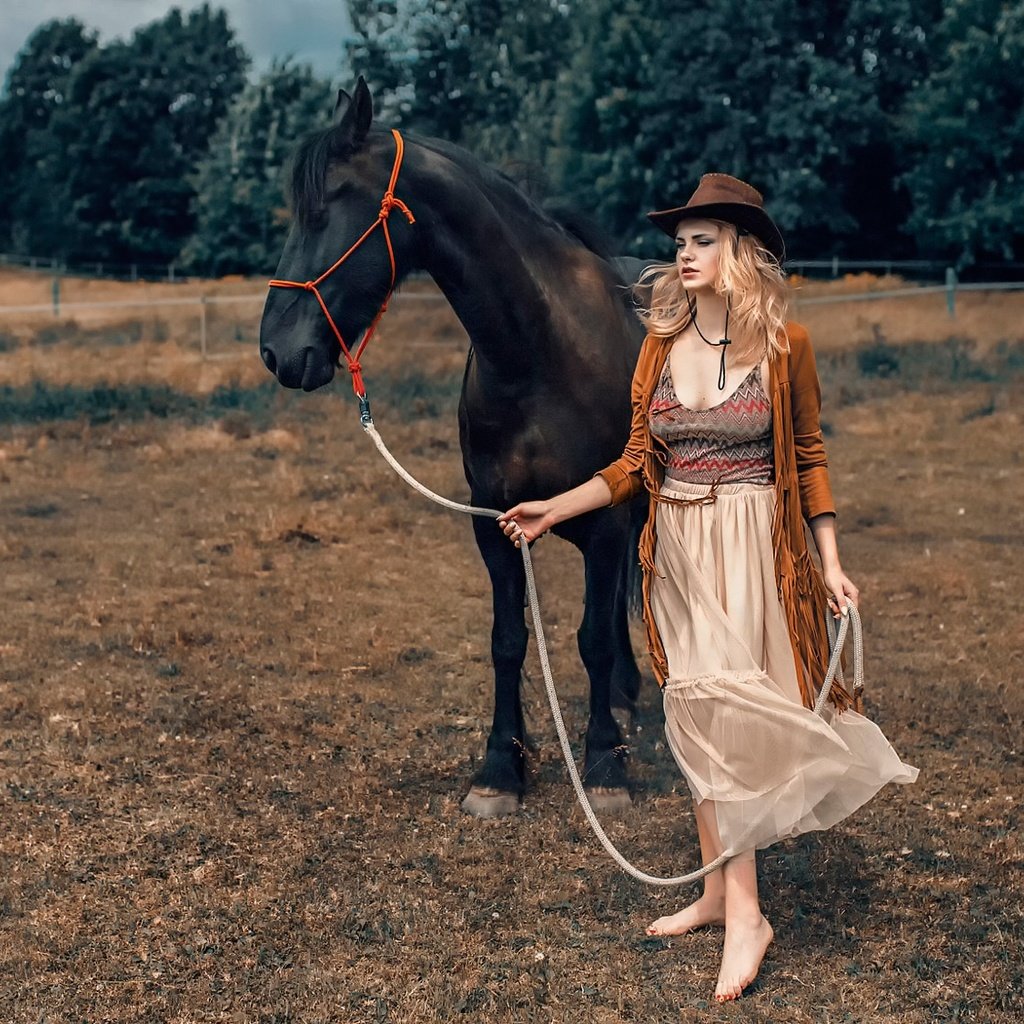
x=312, y=31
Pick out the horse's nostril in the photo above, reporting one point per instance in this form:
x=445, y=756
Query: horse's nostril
x=268, y=360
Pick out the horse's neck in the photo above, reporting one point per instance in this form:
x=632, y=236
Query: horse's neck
x=486, y=268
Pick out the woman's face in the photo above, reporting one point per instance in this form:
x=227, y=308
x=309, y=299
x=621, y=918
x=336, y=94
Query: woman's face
x=697, y=246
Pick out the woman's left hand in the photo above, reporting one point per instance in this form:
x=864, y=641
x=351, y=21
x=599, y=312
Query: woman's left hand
x=840, y=591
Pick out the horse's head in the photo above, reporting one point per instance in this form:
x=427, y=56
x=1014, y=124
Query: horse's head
x=339, y=183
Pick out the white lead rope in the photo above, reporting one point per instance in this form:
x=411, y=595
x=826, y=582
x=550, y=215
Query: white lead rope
x=837, y=640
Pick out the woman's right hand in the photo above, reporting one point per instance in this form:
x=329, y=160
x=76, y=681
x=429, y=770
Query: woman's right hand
x=529, y=519
x=526, y=521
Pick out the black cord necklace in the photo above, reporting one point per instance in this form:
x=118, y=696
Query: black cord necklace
x=691, y=301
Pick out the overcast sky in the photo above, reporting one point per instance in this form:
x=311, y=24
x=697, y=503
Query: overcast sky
x=310, y=30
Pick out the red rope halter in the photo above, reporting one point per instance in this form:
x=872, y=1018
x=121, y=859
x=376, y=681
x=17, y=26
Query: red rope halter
x=387, y=204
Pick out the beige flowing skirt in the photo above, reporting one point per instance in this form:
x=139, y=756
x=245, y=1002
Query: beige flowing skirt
x=733, y=715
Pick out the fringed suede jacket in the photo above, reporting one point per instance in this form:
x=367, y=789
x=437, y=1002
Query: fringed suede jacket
x=802, y=491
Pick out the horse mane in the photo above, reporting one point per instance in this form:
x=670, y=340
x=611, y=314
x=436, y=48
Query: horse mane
x=309, y=175
x=316, y=152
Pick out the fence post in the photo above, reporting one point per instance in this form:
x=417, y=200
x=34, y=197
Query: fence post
x=170, y=272
x=202, y=327
x=951, y=291
x=835, y=266
x=55, y=290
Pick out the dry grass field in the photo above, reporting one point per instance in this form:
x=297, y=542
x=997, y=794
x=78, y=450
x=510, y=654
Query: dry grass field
x=244, y=683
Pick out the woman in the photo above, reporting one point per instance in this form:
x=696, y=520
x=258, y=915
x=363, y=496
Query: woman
x=727, y=441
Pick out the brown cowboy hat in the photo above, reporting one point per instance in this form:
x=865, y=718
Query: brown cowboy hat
x=723, y=197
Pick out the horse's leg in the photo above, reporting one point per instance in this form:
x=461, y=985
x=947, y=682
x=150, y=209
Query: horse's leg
x=625, y=683
x=499, y=784
x=602, y=540
x=625, y=673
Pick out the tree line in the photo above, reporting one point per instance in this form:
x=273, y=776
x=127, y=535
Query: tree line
x=880, y=129
x=156, y=149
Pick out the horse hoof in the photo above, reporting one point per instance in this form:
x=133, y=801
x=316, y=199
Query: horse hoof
x=610, y=800
x=483, y=802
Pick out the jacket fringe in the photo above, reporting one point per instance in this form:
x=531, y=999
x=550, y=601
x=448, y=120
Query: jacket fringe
x=802, y=590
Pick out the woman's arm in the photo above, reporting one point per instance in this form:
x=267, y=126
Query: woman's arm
x=529, y=519
x=840, y=586
x=816, y=500
x=809, y=445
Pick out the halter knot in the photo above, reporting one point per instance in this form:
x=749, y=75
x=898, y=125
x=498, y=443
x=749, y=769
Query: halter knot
x=386, y=205
x=310, y=286
x=357, y=380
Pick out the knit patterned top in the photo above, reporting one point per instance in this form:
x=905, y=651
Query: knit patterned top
x=729, y=443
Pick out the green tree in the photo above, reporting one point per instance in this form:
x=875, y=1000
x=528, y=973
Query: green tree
x=477, y=72
x=513, y=85
x=769, y=104
x=33, y=199
x=887, y=45
x=965, y=133
x=240, y=207
x=138, y=119
x=796, y=99
x=602, y=152
x=382, y=49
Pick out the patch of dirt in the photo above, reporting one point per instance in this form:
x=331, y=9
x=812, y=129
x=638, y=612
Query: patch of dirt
x=244, y=684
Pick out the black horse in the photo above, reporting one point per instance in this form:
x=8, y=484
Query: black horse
x=545, y=399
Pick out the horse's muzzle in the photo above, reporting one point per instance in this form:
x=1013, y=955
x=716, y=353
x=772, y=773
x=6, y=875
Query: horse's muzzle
x=306, y=368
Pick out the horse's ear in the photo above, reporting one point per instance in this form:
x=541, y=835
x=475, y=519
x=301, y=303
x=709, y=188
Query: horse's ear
x=352, y=118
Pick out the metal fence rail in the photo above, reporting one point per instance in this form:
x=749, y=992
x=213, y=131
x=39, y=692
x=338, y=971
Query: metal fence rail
x=59, y=309
x=832, y=265
x=193, y=300
x=950, y=290
x=98, y=268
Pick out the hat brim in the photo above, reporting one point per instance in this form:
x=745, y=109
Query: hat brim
x=743, y=215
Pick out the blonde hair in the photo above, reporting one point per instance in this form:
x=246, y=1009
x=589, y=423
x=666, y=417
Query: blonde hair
x=751, y=280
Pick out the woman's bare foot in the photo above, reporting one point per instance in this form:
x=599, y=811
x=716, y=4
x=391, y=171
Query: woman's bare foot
x=707, y=910
x=745, y=946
